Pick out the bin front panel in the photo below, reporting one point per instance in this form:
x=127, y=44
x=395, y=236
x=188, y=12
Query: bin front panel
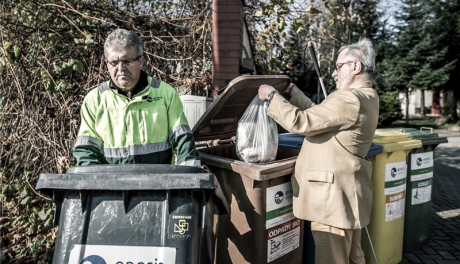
x=251, y=233
x=419, y=189
x=419, y=193
x=171, y=219
x=387, y=217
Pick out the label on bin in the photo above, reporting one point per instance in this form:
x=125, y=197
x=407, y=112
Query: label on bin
x=180, y=227
x=421, y=175
x=100, y=254
x=283, y=239
x=279, y=205
x=395, y=190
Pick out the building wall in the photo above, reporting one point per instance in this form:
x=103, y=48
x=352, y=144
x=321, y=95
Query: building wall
x=435, y=102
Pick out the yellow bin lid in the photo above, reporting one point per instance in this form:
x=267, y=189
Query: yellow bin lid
x=393, y=140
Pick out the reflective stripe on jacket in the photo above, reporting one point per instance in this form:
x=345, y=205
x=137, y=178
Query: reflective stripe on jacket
x=147, y=128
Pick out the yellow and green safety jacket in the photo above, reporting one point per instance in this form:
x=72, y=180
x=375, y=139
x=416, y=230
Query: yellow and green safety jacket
x=149, y=128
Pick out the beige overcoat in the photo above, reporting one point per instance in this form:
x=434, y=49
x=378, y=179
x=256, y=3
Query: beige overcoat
x=332, y=183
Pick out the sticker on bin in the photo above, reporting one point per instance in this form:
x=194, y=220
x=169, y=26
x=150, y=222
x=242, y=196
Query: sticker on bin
x=283, y=239
x=180, y=227
x=395, y=190
x=99, y=254
x=279, y=205
x=421, y=175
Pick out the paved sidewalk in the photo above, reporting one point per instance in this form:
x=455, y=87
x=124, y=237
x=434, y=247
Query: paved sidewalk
x=444, y=246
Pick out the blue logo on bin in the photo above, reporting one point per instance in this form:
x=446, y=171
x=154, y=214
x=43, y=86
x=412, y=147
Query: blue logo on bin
x=93, y=259
x=419, y=161
x=279, y=197
x=393, y=172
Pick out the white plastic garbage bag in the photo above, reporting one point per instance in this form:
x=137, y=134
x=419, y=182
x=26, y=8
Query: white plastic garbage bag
x=257, y=134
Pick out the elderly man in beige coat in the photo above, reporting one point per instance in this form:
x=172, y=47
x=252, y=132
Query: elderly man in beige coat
x=332, y=182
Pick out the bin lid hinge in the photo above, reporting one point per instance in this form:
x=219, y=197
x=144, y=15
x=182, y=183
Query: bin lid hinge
x=58, y=198
x=256, y=184
x=84, y=201
x=126, y=200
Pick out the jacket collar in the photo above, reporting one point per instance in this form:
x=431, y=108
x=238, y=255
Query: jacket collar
x=141, y=84
x=360, y=85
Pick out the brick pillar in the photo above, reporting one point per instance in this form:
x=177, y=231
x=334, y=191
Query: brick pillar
x=227, y=38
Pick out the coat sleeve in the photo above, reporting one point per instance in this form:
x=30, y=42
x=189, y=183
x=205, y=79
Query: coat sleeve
x=180, y=135
x=300, y=100
x=339, y=111
x=88, y=149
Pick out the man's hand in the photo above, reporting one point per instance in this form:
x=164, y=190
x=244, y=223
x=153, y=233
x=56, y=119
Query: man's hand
x=265, y=89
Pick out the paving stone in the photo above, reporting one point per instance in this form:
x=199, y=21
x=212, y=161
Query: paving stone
x=440, y=238
x=429, y=250
x=432, y=243
x=446, y=255
x=448, y=261
x=454, y=236
x=430, y=257
x=443, y=243
x=444, y=248
x=438, y=233
x=413, y=258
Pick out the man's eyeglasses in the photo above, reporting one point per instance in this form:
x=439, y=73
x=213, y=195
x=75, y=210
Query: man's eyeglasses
x=124, y=62
x=339, y=65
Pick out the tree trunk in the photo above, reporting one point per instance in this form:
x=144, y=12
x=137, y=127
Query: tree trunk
x=453, y=106
x=436, y=103
x=422, y=103
x=407, y=106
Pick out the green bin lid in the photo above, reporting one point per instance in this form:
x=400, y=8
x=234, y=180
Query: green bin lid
x=392, y=140
x=425, y=134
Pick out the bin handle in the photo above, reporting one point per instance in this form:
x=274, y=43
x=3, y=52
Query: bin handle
x=425, y=129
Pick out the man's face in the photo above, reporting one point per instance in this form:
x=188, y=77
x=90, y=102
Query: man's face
x=125, y=74
x=343, y=73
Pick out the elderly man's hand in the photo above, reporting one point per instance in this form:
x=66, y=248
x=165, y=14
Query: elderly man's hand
x=265, y=89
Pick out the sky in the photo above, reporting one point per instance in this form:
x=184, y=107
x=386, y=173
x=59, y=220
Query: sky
x=389, y=7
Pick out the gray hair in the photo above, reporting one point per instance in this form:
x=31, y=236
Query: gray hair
x=123, y=38
x=362, y=51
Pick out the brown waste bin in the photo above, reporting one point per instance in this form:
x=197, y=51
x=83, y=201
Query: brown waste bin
x=260, y=227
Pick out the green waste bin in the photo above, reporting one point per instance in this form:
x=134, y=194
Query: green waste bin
x=389, y=183
x=420, y=174
x=260, y=226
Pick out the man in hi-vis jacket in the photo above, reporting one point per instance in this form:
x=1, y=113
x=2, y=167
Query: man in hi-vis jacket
x=332, y=182
x=132, y=118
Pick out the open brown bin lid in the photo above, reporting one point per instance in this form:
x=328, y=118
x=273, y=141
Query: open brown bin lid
x=220, y=120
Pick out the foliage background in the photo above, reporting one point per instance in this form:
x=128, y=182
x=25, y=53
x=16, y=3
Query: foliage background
x=416, y=46
x=51, y=55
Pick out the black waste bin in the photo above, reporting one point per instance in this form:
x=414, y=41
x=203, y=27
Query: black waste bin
x=420, y=175
x=134, y=214
x=290, y=140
